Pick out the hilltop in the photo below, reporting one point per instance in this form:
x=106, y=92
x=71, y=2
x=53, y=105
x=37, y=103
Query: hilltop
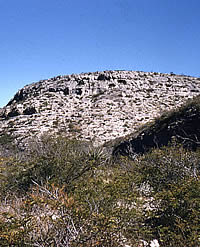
x=97, y=107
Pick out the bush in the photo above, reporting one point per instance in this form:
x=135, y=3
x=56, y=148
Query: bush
x=68, y=193
x=176, y=219
x=101, y=211
x=173, y=213
x=162, y=167
x=57, y=160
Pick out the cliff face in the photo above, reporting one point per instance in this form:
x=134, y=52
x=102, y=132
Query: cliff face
x=98, y=106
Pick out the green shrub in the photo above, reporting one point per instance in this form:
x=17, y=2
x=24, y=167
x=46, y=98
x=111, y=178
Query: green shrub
x=173, y=214
x=175, y=220
x=68, y=193
x=101, y=211
x=162, y=167
x=57, y=160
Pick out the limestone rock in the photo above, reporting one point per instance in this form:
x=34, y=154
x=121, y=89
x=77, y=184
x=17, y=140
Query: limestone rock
x=99, y=106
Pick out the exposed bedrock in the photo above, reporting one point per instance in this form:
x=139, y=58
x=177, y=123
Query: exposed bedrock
x=181, y=126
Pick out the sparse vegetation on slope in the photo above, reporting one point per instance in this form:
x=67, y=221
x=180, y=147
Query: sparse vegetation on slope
x=56, y=190
x=67, y=193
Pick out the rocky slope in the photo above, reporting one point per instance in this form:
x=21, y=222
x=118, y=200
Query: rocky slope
x=179, y=126
x=99, y=106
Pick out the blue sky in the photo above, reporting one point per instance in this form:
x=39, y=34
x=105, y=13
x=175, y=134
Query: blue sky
x=40, y=39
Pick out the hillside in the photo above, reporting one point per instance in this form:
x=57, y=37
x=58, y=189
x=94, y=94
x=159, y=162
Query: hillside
x=180, y=126
x=71, y=192
x=98, y=107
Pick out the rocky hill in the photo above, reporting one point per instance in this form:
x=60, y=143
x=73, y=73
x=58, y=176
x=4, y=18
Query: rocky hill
x=180, y=126
x=65, y=192
x=98, y=107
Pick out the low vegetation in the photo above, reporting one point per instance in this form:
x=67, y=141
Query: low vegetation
x=68, y=193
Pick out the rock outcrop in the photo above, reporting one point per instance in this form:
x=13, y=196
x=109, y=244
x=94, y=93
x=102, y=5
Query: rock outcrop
x=180, y=126
x=99, y=106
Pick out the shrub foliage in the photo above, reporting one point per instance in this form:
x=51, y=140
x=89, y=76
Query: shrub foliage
x=68, y=193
